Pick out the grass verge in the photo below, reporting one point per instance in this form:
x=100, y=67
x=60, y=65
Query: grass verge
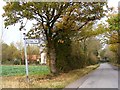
x=47, y=81
x=117, y=65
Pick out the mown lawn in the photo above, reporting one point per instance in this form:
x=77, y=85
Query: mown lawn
x=17, y=70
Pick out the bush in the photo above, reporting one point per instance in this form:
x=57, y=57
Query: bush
x=66, y=59
x=63, y=57
x=7, y=62
x=17, y=62
x=93, y=59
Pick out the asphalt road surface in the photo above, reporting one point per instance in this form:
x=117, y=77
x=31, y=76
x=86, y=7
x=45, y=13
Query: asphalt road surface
x=105, y=76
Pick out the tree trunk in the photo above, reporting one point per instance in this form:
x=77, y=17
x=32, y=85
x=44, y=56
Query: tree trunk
x=53, y=61
x=52, y=57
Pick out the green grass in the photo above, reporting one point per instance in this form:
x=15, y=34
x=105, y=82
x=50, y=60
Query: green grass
x=17, y=70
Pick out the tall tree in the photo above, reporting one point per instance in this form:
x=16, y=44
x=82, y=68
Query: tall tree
x=114, y=39
x=77, y=15
x=4, y=53
x=9, y=53
x=19, y=46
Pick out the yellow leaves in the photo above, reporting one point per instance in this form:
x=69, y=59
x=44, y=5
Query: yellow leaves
x=113, y=39
x=113, y=21
x=66, y=23
x=59, y=25
x=60, y=41
x=113, y=47
x=65, y=18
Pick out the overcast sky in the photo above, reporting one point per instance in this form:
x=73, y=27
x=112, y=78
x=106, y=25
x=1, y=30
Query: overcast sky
x=14, y=35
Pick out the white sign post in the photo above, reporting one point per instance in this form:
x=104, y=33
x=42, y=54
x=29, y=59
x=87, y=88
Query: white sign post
x=26, y=62
x=28, y=41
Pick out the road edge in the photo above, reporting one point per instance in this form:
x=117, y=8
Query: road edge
x=75, y=84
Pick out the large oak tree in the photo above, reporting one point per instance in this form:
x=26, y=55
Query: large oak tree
x=71, y=16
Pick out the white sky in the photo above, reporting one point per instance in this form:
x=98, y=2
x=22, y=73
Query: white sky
x=12, y=34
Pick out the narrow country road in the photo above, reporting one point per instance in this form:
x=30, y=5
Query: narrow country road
x=106, y=76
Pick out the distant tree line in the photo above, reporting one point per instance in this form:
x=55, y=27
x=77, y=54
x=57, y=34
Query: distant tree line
x=14, y=53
